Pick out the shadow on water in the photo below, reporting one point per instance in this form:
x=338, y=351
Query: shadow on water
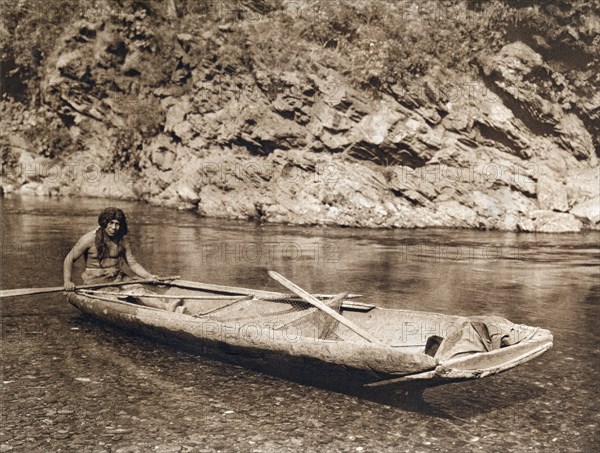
x=408, y=397
x=428, y=400
x=71, y=384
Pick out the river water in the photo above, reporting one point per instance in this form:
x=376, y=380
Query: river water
x=69, y=384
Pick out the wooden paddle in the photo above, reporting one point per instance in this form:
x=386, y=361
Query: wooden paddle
x=320, y=305
x=265, y=295
x=348, y=305
x=56, y=289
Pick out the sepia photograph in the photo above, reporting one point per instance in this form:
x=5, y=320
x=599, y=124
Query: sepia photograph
x=289, y=226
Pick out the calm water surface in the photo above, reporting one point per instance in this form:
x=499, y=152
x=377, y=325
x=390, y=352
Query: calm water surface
x=72, y=385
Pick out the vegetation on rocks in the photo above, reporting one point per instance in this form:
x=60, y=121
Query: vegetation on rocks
x=459, y=113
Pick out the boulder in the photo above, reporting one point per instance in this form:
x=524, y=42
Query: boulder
x=374, y=129
x=552, y=194
x=555, y=222
x=188, y=195
x=588, y=210
x=509, y=222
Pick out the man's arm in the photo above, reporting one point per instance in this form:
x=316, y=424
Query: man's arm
x=78, y=249
x=136, y=267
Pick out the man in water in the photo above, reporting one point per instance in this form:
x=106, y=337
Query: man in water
x=104, y=249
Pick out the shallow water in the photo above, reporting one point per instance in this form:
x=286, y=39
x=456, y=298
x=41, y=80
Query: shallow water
x=72, y=385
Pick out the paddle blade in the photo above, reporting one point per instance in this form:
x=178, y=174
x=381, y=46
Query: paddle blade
x=28, y=291
x=320, y=305
x=56, y=289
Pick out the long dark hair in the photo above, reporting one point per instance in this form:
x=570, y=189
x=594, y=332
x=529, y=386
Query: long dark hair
x=101, y=239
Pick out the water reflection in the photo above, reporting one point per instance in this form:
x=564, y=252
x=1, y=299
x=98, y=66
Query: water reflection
x=70, y=382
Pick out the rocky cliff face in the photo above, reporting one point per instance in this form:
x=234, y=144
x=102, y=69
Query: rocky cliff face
x=240, y=118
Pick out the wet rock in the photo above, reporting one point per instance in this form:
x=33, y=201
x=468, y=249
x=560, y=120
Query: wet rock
x=30, y=188
x=554, y=222
x=509, y=222
x=167, y=448
x=118, y=430
x=62, y=435
x=188, y=195
x=462, y=215
x=129, y=449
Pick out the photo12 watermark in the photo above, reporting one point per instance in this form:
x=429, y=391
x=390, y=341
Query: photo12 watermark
x=461, y=253
x=521, y=173
x=472, y=91
x=270, y=252
x=327, y=173
x=89, y=172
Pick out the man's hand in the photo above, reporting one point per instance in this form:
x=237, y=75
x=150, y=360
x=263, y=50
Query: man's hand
x=69, y=286
x=158, y=280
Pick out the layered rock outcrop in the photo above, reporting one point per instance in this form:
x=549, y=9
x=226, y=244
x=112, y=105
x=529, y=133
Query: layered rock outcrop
x=129, y=110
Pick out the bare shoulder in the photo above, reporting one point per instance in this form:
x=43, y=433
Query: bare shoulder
x=87, y=240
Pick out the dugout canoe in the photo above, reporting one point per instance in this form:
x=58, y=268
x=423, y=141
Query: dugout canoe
x=282, y=335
